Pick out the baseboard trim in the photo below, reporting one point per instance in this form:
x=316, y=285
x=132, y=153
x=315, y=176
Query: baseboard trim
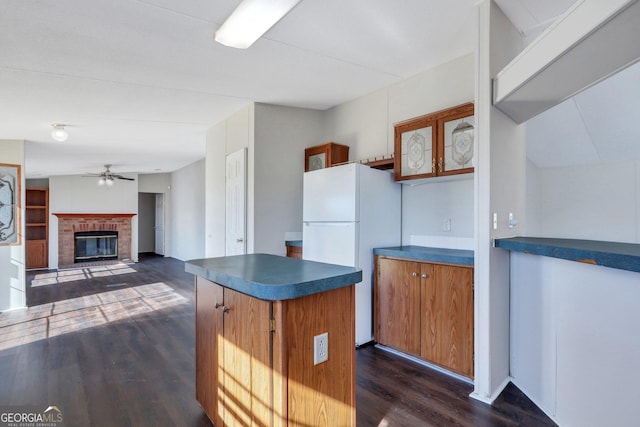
x=425, y=364
x=489, y=399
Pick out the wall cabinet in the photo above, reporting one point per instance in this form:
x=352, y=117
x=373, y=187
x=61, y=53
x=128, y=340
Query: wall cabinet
x=325, y=155
x=436, y=144
x=254, y=358
x=37, y=227
x=426, y=310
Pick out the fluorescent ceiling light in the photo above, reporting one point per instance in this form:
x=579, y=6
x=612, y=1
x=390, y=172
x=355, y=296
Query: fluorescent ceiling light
x=250, y=20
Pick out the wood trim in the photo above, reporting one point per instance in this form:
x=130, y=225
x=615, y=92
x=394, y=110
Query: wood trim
x=94, y=215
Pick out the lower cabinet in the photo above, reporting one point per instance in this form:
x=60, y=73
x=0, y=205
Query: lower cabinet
x=294, y=251
x=426, y=310
x=233, y=356
x=254, y=358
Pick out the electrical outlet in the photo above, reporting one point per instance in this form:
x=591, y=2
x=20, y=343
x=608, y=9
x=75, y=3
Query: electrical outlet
x=320, y=348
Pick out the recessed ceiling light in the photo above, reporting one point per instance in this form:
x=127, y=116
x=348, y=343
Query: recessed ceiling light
x=250, y=20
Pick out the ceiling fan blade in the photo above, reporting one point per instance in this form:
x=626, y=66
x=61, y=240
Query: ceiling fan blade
x=123, y=177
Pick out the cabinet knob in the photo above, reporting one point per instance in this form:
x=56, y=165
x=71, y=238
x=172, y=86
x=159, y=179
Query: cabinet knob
x=425, y=275
x=240, y=240
x=414, y=274
x=225, y=309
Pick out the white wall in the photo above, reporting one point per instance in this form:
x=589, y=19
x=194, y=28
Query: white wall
x=426, y=206
x=226, y=137
x=275, y=137
x=12, y=258
x=499, y=188
x=215, y=190
x=575, y=345
x=594, y=202
x=366, y=126
x=281, y=135
x=187, y=212
x=78, y=194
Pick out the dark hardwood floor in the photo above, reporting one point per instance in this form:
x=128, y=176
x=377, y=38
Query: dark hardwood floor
x=114, y=346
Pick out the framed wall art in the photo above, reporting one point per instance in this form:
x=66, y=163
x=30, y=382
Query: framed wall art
x=9, y=204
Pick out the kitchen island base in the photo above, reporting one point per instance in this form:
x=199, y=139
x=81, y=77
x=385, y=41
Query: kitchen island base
x=254, y=358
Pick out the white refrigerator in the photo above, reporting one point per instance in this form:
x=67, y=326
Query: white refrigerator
x=347, y=211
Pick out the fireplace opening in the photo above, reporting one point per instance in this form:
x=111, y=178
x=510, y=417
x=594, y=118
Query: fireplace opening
x=95, y=246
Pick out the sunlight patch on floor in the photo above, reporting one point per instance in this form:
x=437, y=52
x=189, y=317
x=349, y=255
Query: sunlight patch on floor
x=44, y=321
x=75, y=274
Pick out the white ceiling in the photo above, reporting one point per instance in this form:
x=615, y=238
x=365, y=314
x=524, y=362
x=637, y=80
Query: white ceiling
x=138, y=82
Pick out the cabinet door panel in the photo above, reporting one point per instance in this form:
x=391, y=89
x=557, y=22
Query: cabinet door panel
x=208, y=329
x=246, y=368
x=447, y=298
x=398, y=302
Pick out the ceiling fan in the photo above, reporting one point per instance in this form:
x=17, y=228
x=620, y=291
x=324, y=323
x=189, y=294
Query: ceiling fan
x=107, y=177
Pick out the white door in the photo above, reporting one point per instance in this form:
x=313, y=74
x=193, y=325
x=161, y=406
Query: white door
x=159, y=225
x=235, y=206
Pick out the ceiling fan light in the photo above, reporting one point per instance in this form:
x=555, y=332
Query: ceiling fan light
x=109, y=181
x=59, y=133
x=250, y=20
x=101, y=181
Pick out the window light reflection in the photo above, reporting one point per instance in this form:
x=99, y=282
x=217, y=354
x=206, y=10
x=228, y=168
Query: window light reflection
x=44, y=321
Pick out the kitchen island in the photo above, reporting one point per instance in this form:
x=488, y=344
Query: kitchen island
x=258, y=318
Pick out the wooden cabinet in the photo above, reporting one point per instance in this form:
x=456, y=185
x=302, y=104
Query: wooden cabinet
x=294, y=251
x=254, y=358
x=426, y=310
x=37, y=227
x=398, y=305
x=436, y=144
x=325, y=155
x=233, y=345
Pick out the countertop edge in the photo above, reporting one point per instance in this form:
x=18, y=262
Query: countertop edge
x=275, y=293
x=429, y=254
x=601, y=253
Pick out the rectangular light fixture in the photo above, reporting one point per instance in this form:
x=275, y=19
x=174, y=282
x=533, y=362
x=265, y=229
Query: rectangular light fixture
x=250, y=20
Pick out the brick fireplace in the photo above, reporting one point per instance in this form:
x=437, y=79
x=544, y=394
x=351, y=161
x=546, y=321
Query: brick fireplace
x=71, y=223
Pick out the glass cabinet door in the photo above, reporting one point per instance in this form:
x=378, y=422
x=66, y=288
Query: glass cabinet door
x=455, y=140
x=415, y=150
x=457, y=143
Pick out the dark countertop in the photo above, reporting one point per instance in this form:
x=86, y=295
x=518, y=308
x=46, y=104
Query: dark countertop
x=422, y=253
x=273, y=277
x=297, y=243
x=623, y=256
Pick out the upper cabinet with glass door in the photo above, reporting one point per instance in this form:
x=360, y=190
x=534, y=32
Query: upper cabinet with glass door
x=437, y=144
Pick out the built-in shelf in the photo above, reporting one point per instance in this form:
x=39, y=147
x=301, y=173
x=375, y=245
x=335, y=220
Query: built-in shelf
x=37, y=227
x=383, y=164
x=591, y=41
x=623, y=256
